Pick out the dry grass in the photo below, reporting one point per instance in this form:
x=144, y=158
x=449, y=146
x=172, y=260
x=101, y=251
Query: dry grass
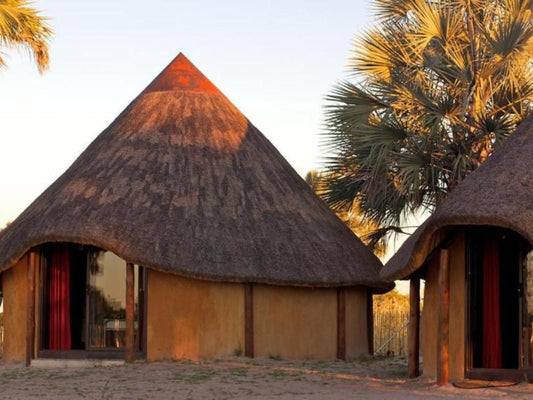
x=391, y=314
x=237, y=378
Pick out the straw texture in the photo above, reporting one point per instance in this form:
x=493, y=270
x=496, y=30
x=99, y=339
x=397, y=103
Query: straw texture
x=499, y=193
x=181, y=181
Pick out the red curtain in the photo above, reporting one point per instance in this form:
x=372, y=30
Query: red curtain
x=59, y=337
x=492, y=335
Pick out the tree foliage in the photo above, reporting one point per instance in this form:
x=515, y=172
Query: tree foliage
x=436, y=86
x=21, y=25
x=351, y=216
x=392, y=300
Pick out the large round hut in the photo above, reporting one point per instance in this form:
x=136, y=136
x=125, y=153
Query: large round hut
x=477, y=319
x=181, y=232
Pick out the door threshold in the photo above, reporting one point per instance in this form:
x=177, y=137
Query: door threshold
x=482, y=384
x=87, y=354
x=496, y=374
x=73, y=363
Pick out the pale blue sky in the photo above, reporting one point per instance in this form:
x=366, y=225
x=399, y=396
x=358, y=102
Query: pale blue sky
x=274, y=59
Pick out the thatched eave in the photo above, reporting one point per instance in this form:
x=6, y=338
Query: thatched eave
x=182, y=182
x=499, y=193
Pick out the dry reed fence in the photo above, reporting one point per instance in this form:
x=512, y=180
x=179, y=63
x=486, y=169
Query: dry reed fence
x=390, y=332
x=391, y=315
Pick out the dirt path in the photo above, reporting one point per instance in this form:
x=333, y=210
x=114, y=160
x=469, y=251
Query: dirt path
x=236, y=378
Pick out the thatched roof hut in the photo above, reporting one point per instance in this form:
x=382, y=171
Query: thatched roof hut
x=182, y=182
x=499, y=193
x=474, y=254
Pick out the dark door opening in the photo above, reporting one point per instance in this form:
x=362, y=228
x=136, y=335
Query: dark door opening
x=494, y=270
x=83, y=300
x=510, y=299
x=78, y=285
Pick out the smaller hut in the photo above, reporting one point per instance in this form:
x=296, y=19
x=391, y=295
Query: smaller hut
x=181, y=232
x=477, y=320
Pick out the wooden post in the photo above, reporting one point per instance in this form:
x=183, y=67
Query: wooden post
x=341, y=324
x=248, y=320
x=370, y=321
x=140, y=315
x=130, y=313
x=30, y=309
x=413, y=345
x=443, y=326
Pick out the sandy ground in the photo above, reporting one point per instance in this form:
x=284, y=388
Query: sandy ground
x=237, y=378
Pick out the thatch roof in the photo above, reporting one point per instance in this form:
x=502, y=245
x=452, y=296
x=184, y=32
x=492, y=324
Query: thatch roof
x=181, y=181
x=499, y=193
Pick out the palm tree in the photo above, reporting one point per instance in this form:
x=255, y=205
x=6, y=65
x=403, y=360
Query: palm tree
x=22, y=26
x=353, y=218
x=436, y=86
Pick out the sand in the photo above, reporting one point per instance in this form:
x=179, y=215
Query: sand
x=237, y=378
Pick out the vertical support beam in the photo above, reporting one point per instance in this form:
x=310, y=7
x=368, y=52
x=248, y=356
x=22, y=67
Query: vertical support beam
x=130, y=313
x=248, y=320
x=141, y=310
x=370, y=320
x=30, y=308
x=413, y=345
x=39, y=287
x=341, y=323
x=443, y=327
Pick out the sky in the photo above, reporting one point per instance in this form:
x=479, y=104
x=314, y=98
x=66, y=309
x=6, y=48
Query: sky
x=275, y=60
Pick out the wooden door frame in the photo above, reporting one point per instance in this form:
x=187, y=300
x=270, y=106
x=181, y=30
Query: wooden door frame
x=88, y=353
x=513, y=374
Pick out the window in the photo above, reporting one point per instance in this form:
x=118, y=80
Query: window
x=83, y=299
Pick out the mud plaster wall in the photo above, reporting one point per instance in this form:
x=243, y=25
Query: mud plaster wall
x=14, y=282
x=295, y=323
x=457, y=312
x=192, y=319
x=356, y=321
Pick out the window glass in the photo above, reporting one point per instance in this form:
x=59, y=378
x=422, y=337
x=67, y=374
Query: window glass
x=107, y=300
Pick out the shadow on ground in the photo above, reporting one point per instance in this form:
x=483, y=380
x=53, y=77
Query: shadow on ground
x=237, y=378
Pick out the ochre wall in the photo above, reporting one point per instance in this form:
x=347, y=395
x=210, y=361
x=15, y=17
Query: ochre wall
x=356, y=321
x=192, y=319
x=457, y=311
x=14, y=284
x=295, y=323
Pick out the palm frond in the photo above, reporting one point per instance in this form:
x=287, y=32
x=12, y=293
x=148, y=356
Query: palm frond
x=21, y=25
x=439, y=85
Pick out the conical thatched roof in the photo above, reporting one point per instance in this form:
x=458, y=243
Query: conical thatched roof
x=498, y=193
x=181, y=181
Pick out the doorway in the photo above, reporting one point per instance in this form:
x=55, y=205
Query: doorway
x=83, y=302
x=495, y=277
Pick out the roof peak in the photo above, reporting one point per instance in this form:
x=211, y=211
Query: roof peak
x=181, y=75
